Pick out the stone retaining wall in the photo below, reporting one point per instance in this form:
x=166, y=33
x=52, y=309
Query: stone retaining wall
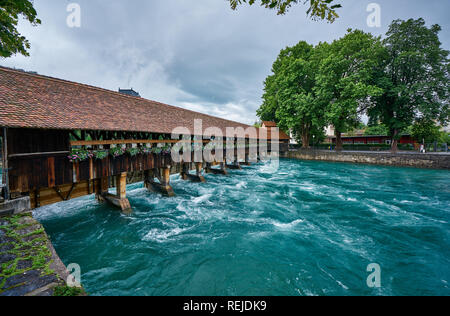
x=428, y=161
x=29, y=265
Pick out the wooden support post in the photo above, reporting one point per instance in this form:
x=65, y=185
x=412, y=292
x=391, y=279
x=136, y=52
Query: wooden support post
x=101, y=189
x=198, y=168
x=91, y=175
x=234, y=166
x=221, y=171
x=5, y=173
x=247, y=161
x=164, y=178
x=121, y=181
x=120, y=199
x=122, y=204
x=185, y=173
x=37, y=195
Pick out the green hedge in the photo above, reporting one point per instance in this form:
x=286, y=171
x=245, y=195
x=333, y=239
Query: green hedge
x=362, y=147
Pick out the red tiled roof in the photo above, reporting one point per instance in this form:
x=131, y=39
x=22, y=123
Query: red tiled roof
x=269, y=124
x=35, y=101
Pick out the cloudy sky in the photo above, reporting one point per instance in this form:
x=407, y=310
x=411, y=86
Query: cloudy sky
x=198, y=54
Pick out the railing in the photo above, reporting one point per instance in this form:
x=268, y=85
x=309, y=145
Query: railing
x=146, y=141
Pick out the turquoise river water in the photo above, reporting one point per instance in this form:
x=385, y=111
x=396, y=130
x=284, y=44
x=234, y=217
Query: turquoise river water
x=311, y=228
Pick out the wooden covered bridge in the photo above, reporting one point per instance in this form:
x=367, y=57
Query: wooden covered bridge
x=62, y=140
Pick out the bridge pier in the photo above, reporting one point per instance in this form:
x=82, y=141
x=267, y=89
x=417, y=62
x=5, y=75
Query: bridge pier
x=247, y=161
x=120, y=199
x=221, y=171
x=163, y=186
x=234, y=166
x=198, y=177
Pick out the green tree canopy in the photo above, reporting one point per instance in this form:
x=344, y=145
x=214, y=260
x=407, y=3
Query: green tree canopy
x=425, y=130
x=415, y=78
x=344, y=80
x=318, y=9
x=377, y=130
x=11, y=42
x=289, y=97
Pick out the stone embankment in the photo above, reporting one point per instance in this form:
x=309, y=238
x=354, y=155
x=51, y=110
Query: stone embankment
x=428, y=161
x=29, y=265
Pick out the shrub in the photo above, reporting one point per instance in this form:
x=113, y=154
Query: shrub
x=67, y=291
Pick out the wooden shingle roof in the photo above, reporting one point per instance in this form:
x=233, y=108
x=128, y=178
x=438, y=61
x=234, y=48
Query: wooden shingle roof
x=34, y=101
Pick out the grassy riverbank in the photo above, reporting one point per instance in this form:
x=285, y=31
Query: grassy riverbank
x=29, y=265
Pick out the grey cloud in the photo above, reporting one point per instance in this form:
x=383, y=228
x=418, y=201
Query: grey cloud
x=197, y=54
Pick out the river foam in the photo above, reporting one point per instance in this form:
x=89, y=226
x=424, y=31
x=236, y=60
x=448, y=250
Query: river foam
x=308, y=228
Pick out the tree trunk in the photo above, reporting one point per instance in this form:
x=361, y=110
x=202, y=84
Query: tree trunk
x=305, y=140
x=339, y=145
x=394, y=148
x=305, y=137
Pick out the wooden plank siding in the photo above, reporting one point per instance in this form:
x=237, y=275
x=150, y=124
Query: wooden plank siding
x=28, y=175
x=39, y=165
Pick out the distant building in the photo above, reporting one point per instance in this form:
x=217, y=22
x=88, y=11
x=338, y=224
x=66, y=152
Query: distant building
x=359, y=140
x=267, y=124
x=293, y=141
x=129, y=92
x=283, y=137
x=329, y=134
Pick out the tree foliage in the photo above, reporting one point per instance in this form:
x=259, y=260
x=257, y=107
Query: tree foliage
x=344, y=80
x=378, y=130
x=11, y=41
x=289, y=97
x=426, y=131
x=415, y=78
x=398, y=81
x=318, y=9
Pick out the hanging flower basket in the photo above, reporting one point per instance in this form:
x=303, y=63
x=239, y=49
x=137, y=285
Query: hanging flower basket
x=79, y=154
x=156, y=150
x=145, y=150
x=166, y=150
x=133, y=151
x=116, y=151
x=101, y=154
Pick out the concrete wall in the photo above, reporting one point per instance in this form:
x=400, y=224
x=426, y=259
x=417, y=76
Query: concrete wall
x=428, y=161
x=16, y=206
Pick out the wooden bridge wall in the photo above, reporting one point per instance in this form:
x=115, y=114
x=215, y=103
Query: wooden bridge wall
x=39, y=166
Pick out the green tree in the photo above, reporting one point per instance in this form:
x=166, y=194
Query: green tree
x=11, y=41
x=415, y=78
x=426, y=131
x=318, y=9
x=377, y=130
x=289, y=97
x=344, y=80
x=444, y=138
